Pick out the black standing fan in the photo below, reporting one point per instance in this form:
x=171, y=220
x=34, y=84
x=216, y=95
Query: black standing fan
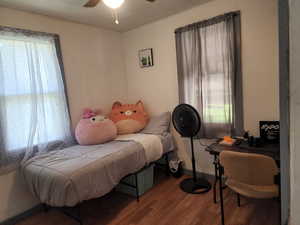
x=187, y=122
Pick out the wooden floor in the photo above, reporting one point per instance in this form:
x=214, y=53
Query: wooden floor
x=165, y=204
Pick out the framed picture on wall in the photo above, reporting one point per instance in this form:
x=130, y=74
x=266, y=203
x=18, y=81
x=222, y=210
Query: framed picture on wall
x=146, y=57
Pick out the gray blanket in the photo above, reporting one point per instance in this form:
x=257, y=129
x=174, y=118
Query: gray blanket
x=72, y=175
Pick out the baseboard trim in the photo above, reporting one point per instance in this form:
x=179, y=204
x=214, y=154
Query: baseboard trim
x=15, y=219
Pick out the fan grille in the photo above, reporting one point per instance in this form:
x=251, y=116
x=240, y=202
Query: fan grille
x=186, y=120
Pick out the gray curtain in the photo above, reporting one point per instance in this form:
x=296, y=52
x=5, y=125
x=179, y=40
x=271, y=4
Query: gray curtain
x=34, y=115
x=209, y=73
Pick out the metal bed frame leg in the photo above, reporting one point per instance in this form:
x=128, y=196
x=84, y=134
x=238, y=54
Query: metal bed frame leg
x=72, y=212
x=167, y=164
x=137, y=188
x=221, y=193
x=45, y=208
x=238, y=199
x=77, y=216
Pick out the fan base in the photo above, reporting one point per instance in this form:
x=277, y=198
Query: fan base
x=199, y=187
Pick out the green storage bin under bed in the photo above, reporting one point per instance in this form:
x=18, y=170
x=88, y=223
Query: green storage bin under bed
x=145, y=181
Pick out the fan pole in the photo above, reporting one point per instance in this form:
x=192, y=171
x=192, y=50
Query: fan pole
x=193, y=161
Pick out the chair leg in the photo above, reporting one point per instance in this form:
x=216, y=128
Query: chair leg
x=238, y=199
x=216, y=180
x=221, y=194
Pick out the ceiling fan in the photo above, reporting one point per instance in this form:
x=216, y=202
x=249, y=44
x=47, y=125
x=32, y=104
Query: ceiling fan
x=113, y=4
x=110, y=3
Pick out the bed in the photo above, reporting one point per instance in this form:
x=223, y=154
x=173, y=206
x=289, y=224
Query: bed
x=67, y=177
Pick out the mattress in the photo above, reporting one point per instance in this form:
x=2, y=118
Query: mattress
x=78, y=173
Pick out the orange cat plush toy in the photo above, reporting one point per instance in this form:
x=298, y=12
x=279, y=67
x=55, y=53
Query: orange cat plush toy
x=129, y=118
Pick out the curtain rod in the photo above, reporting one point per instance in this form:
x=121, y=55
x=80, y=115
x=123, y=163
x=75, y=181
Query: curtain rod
x=207, y=22
x=27, y=32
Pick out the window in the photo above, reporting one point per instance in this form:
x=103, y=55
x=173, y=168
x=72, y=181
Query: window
x=209, y=75
x=33, y=110
x=217, y=90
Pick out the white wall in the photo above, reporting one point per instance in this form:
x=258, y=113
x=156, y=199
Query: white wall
x=295, y=110
x=157, y=86
x=95, y=77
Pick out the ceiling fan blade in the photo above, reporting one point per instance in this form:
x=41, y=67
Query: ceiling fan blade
x=150, y=0
x=92, y=3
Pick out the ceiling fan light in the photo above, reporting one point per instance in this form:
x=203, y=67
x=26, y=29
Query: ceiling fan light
x=113, y=3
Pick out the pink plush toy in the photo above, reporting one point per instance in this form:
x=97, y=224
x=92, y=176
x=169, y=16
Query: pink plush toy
x=94, y=128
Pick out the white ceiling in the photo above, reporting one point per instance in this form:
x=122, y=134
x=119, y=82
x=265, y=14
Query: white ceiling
x=132, y=13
